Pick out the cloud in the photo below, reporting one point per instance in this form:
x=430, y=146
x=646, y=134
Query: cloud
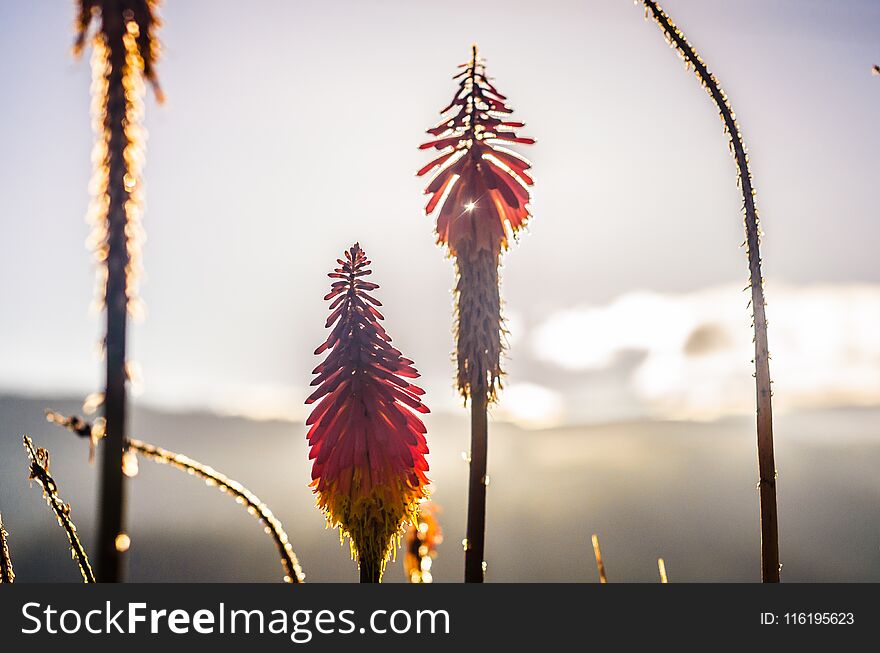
x=643, y=355
x=697, y=347
x=531, y=406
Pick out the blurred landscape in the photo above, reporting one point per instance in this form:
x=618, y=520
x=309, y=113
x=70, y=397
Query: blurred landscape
x=681, y=490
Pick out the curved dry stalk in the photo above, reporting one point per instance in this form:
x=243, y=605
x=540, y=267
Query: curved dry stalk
x=766, y=462
x=6, y=573
x=39, y=472
x=599, y=564
x=292, y=571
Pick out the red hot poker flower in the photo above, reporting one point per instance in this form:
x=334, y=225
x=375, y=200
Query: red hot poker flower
x=367, y=443
x=480, y=194
x=481, y=187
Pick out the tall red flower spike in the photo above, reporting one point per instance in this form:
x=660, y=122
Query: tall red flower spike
x=480, y=194
x=481, y=187
x=367, y=442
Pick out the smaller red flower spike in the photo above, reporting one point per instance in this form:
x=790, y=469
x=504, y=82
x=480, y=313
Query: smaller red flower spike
x=481, y=187
x=366, y=440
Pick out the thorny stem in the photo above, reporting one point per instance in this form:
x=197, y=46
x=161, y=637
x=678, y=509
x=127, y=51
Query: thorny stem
x=476, y=517
x=6, y=573
x=766, y=463
x=39, y=472
x=290, y=565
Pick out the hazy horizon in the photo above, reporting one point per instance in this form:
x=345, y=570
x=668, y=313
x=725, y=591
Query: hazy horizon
x=681, y=490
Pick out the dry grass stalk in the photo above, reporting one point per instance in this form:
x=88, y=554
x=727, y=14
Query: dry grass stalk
x=7, y=575
x=599, y=564
x=292, y=571
x=39, y=472
x=661, y=565
x=766, y=460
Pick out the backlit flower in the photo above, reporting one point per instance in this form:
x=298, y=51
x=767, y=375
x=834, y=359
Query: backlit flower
x=480, y=191
x=480, y=196
x=367, y=442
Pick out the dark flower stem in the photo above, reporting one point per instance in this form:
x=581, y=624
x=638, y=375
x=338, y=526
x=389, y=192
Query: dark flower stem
x=476, y=518
x=370, y=573
x=112, y=481
x=766, y=462
x=480, y=345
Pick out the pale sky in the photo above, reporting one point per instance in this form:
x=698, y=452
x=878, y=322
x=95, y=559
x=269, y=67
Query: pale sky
x=291, y=131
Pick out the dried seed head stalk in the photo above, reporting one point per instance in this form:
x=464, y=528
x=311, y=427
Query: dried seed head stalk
x=766, y=460
x=124, y=52
x=125, y=49
x=480, y=193
x=367, y=442
x=141, y=12
x=6, y=573
x=94, y=431
x=39, y=472
x=420, y=545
